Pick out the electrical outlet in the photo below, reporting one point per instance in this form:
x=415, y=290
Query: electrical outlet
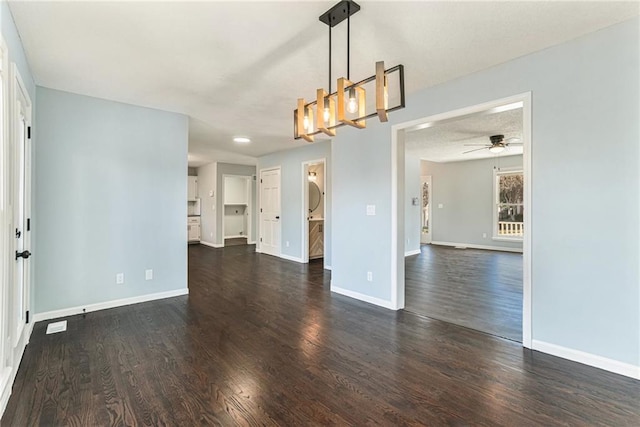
x=408, y=241
x=286, y=243
x=484, y=235
x=369, y=276
x=148, y=274
x=120, y=279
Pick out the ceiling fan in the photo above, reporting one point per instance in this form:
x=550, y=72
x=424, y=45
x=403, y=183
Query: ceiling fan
x=498, y=144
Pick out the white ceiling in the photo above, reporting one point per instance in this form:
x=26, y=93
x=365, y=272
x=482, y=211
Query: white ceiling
x=448, y=141
x=237, y=68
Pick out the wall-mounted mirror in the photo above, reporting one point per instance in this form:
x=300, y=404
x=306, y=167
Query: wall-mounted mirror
x=314, y=196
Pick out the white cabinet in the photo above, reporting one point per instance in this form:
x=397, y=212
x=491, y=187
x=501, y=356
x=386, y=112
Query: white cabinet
x=193, y=229
x=192, y=188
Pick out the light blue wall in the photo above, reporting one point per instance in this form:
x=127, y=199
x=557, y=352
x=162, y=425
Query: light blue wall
x=16, y=52
x=465, y=190
x=231, y=169
x=585, y=188
x=111, y=185
x=290, y=162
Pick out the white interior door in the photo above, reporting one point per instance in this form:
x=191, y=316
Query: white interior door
x=21, y=147
x=425, y=214
x=270, y=211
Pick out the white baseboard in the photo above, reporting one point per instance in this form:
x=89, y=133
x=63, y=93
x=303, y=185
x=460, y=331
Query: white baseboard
x=291, y=258
x=474, y=246
x=327, y=267
x=211, y=245
x=71, y=311
x=253, y=242
x=362, y=297
x=11, y=373
x=238, y=236
x=413, y=252
x=607, y=364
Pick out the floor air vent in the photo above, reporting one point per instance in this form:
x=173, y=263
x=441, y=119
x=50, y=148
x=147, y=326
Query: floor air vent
x=54, y=328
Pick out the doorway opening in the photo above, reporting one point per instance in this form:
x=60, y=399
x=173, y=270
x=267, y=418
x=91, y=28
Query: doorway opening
x=314, y=213
x=461, y=247
x=236, y=218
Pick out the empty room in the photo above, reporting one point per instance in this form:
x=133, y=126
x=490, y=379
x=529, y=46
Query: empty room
x=319, y=213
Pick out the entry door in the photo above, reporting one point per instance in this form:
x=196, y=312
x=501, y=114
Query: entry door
x=426, y=226
x=21, y=146
x=270, y=211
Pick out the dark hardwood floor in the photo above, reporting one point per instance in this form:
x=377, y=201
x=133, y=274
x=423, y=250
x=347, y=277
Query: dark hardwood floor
x=262, y=341
x=236, y=241
x=474, y=288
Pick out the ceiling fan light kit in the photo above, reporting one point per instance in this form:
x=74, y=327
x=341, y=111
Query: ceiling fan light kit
x=497, y=146
x=348, y=104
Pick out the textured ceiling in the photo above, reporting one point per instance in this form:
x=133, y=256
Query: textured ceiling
x=237, y=68
x=447, y=142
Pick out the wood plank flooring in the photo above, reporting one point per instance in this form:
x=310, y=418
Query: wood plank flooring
x=474, y=288
x=262, y=341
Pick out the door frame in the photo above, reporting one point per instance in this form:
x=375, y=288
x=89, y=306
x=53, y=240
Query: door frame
x=19, y=89
x=429, y=236
x=397, y=199
x=305, y=205
x=5, y=178
x=249, y=179
x=259, y=197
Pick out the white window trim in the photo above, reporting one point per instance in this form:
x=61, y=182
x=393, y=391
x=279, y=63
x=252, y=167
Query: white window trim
x=497, y=172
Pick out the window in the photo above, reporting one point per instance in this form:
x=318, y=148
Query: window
x=508, y=216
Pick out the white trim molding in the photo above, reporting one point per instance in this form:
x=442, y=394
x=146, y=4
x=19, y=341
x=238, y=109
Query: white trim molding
x=611, y=365
x=362, y=297
x=291, y=258
x=327, y=267
x=71, y=311
x=474, y=246
x=12, y=371
x=212, y=245
x=413, y=252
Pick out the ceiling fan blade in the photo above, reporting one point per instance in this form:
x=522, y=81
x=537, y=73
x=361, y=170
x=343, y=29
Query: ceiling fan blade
x=477, y=149
x=512, y=140
x=513, y=144
x=476, y=145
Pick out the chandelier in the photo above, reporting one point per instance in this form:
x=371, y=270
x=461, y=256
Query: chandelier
x=349, y=104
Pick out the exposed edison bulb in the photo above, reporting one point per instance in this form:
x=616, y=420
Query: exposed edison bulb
x=352, y=106
x=327, y=113
x=306, y=122
x=386, y=94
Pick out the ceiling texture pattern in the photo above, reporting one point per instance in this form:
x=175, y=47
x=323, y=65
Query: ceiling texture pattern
x=448, y=141
x=237, y=68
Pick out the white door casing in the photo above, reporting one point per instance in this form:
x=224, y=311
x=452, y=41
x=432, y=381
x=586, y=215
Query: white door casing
x=270, y=211
x=21, y=200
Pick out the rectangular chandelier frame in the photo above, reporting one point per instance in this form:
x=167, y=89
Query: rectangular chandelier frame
x=337, y=116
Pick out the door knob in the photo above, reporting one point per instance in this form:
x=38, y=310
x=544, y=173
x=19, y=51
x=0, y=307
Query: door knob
x=25, y=254
x=277, y=217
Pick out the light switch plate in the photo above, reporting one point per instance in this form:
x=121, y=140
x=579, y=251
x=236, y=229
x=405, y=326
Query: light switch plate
x=371, y=210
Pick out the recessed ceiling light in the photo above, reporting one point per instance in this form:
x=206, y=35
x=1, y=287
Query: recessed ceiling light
x=241, y=139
